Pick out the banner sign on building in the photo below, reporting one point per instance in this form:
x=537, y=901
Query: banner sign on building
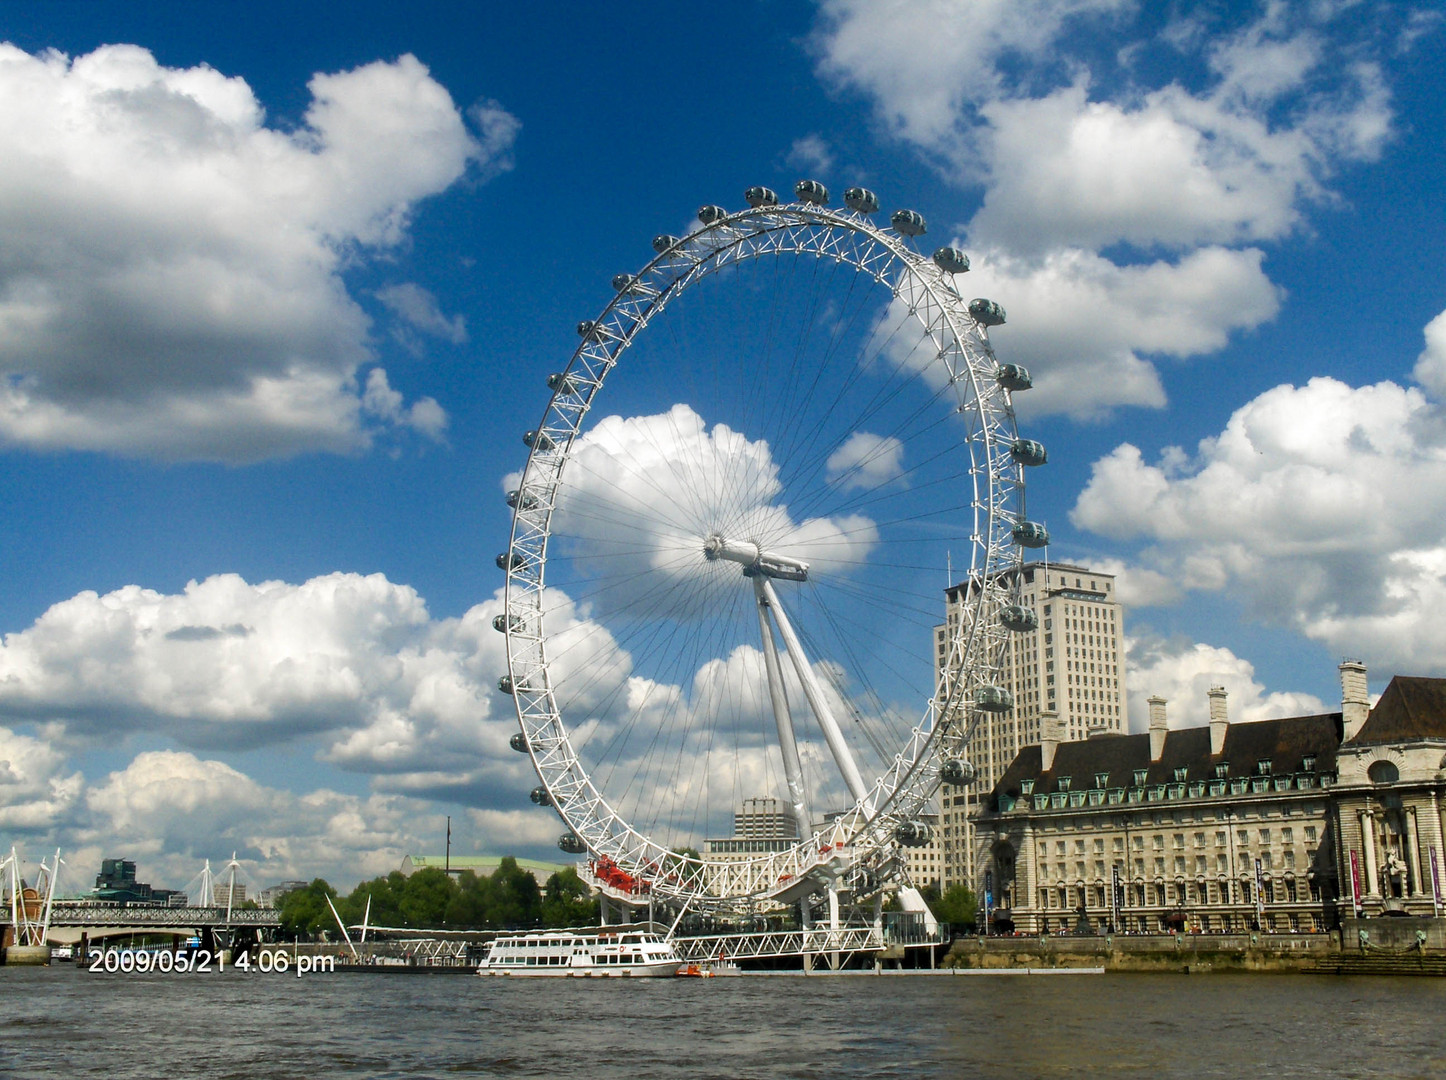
x=988, y=896
x=1435, y=883
x=1356, y=884
x=1259, y=894
x=1116, y=888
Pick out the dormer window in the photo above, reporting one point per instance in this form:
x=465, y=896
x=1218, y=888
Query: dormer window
x=1026, y=787
x=1064, y=782
x=1181, y=773
x=1222, y=770
x=1102, y=779
x=1262, y=767
x=1140, y=775
x=1307, y=763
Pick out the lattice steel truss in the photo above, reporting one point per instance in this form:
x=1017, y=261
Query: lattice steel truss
x=89, y=915
x=859, y=848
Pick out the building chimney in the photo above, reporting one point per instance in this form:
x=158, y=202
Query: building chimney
x=1219, y=720
x=1051, y=734
x=1159, y=728
x=1355, y=697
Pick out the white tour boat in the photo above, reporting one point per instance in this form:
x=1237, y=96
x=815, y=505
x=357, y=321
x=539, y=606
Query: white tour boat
x=606, y=951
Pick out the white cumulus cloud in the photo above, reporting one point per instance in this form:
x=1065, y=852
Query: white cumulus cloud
x=170, y=811
x=866, y=460
x=1182, y=672
x=644, y=493
x=1322, y=506
x=1090, y=172
x=352, y=664
x=926, y=65
x=37, y=785
x=170, y=284
x=1086, y=326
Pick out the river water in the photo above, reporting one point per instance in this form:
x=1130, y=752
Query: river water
x=62, y=1023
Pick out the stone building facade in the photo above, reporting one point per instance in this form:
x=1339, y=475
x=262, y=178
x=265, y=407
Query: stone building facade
x=1227, y=827
x=1390, y=799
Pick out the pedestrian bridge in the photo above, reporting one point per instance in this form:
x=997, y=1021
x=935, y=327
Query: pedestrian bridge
x=154, y=919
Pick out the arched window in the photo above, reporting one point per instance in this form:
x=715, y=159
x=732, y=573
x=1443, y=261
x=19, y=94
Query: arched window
x=1383, y=772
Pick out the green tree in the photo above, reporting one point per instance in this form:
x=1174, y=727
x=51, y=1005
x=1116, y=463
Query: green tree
x=516, y=899
x=471, y=904
x=957, y=907
x=567, y=902
x=385, y=895
x=304, y=911
x=425, y=897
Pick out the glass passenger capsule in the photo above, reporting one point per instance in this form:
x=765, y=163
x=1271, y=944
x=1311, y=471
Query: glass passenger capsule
x=559, y=383
x=504, y=622
x=518, y=742
x=908, y=222
x=572, y=844
x=709, y=214
x=539, y=795
x=505, y=684
x=1019, y=619
x=539, y=440
x=1013, y=377
x=521, y=500
x=1030, y=534
x=861, y=199
x=993, y=699
x=1028, y=452
x=811, y=191
x=951, y=260
x=986, y=312
x=958, y=772
x=664, y=242
x=509, y=560
x=760, y=196
x=913, y=833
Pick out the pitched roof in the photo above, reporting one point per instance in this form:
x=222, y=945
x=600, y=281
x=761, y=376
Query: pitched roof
x=1284, y=743
x=1411, y=708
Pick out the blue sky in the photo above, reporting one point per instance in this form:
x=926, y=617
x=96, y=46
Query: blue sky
x=1216, y=229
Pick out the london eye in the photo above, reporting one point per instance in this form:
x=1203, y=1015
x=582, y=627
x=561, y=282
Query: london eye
x=768, y=454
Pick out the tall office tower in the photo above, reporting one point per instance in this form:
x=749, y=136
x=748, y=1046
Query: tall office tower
x=764, y=819
x=1070, y=667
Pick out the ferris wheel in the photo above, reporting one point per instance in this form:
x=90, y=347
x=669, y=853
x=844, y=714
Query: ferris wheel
x=767, y=457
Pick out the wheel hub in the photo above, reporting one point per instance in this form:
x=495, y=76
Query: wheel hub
x=753, y=558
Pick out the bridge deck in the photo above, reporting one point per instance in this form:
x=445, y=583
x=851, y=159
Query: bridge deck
x=161, y=917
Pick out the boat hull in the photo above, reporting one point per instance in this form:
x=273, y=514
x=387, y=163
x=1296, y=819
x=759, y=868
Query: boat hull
x=604, y=953
x=634, y=971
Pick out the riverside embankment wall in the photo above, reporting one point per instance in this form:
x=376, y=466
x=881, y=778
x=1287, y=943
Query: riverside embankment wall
x=1408, y=945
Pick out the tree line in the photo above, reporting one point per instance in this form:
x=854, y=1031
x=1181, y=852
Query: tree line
x=507, y=899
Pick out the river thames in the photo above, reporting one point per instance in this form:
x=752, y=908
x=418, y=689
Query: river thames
x=63, y=1022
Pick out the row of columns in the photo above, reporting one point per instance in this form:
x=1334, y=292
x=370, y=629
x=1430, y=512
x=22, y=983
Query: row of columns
x=1370, y=843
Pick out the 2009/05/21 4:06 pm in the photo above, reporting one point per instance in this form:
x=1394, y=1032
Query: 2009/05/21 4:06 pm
x=143, y=961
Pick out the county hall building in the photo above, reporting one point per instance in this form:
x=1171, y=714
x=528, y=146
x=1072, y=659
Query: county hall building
x=1286, y=824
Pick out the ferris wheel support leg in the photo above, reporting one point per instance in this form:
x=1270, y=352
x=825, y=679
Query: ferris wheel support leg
x=910, y=899
x=842, y=756
x=792, y=767
x=833, y=921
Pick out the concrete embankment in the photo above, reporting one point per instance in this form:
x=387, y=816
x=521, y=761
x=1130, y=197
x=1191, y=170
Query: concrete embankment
x=1361, y=946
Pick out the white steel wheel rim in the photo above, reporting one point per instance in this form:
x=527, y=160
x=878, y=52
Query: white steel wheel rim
x=861, y=841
